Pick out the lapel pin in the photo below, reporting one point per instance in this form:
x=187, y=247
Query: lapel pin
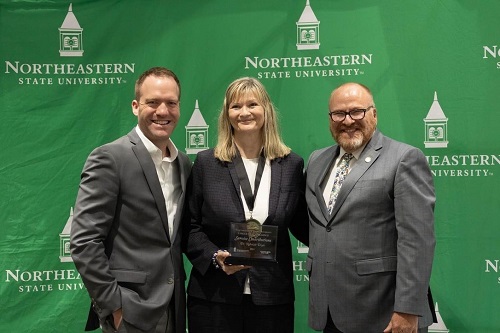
x=368, y=159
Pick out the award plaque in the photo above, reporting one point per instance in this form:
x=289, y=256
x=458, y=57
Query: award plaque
x=252, y=244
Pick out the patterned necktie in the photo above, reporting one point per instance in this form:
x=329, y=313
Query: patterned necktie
x=340, y=175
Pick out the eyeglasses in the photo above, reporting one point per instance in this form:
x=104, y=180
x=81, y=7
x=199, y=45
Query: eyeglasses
x=155, y=104
x=356, y=114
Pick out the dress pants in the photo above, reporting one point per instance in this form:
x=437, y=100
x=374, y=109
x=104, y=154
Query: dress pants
x=212, y=317
x=165, y=325
x=331, y=328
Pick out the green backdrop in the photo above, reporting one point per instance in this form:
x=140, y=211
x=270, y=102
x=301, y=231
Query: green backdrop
x=66, y=84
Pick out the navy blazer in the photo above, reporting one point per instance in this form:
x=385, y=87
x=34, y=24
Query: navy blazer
x=214, y=203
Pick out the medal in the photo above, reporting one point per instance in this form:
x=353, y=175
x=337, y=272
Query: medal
x=254, y=228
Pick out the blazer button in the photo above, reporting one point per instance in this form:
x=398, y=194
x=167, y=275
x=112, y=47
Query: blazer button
x=96, y=307
x=170, y=281
x=328, y=229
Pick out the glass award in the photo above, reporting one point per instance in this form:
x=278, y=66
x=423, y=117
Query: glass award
x=252, y=244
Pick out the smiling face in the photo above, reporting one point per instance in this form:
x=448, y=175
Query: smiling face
x=352, y=134
x=157, y=109
x=246, y=115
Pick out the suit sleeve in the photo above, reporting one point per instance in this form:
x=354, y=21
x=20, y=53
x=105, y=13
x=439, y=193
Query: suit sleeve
x=92, y=220
x=185, y=222
x=414, y=200
x=299, y=226
x=199, y=247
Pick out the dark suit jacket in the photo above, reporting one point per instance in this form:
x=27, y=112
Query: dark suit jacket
x=119, y=237
x=214, y=202
x=373, y=255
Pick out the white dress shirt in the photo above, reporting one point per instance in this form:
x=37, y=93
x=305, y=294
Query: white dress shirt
x=261, y=204
x=168, y=175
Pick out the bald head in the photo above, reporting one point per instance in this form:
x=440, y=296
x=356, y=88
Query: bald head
x=353, y=89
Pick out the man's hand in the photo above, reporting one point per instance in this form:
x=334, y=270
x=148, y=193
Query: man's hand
x=402, y=323
x=117, y=318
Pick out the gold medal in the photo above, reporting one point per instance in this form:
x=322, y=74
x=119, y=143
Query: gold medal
x=254, y=228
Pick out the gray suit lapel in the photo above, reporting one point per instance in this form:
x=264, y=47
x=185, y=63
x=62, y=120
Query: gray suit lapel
x=149, y=170
x=366, y=160
x=324, y=162
x=180, y=201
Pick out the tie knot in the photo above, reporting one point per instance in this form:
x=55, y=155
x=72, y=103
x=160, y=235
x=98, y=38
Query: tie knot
x=347, y=157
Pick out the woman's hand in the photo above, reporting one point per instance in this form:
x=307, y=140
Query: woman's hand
x=228, y=268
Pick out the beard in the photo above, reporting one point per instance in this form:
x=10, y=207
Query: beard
x=352, y=142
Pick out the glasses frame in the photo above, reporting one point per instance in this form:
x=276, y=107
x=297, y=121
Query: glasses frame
x=348, y=113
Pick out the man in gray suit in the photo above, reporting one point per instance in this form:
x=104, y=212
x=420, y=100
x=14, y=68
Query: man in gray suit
x=371, y=225
x=126, y=232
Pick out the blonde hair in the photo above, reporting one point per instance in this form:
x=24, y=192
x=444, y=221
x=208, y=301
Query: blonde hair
x=225, y=150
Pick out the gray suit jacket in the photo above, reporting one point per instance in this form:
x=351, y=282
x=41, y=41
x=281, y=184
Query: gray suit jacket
x=373, y=255
x=119, y=237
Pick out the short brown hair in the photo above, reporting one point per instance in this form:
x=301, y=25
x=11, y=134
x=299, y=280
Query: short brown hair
x=155, y=71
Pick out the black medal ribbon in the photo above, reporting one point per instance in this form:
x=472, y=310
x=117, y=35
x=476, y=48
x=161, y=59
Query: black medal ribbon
x=245, y=182
x=251, y=243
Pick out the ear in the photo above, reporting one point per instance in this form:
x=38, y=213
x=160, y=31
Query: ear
x=135, y=108
x=375, y=113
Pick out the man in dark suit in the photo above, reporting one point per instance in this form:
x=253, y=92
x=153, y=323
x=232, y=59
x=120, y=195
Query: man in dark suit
x=126, y=232
x=371, y=230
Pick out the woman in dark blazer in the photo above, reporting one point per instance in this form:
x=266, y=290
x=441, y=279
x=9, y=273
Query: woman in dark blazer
x=239, y=298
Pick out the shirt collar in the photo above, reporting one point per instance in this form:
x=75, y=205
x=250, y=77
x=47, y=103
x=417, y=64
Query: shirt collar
x=154, y=151
x=355, y=153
